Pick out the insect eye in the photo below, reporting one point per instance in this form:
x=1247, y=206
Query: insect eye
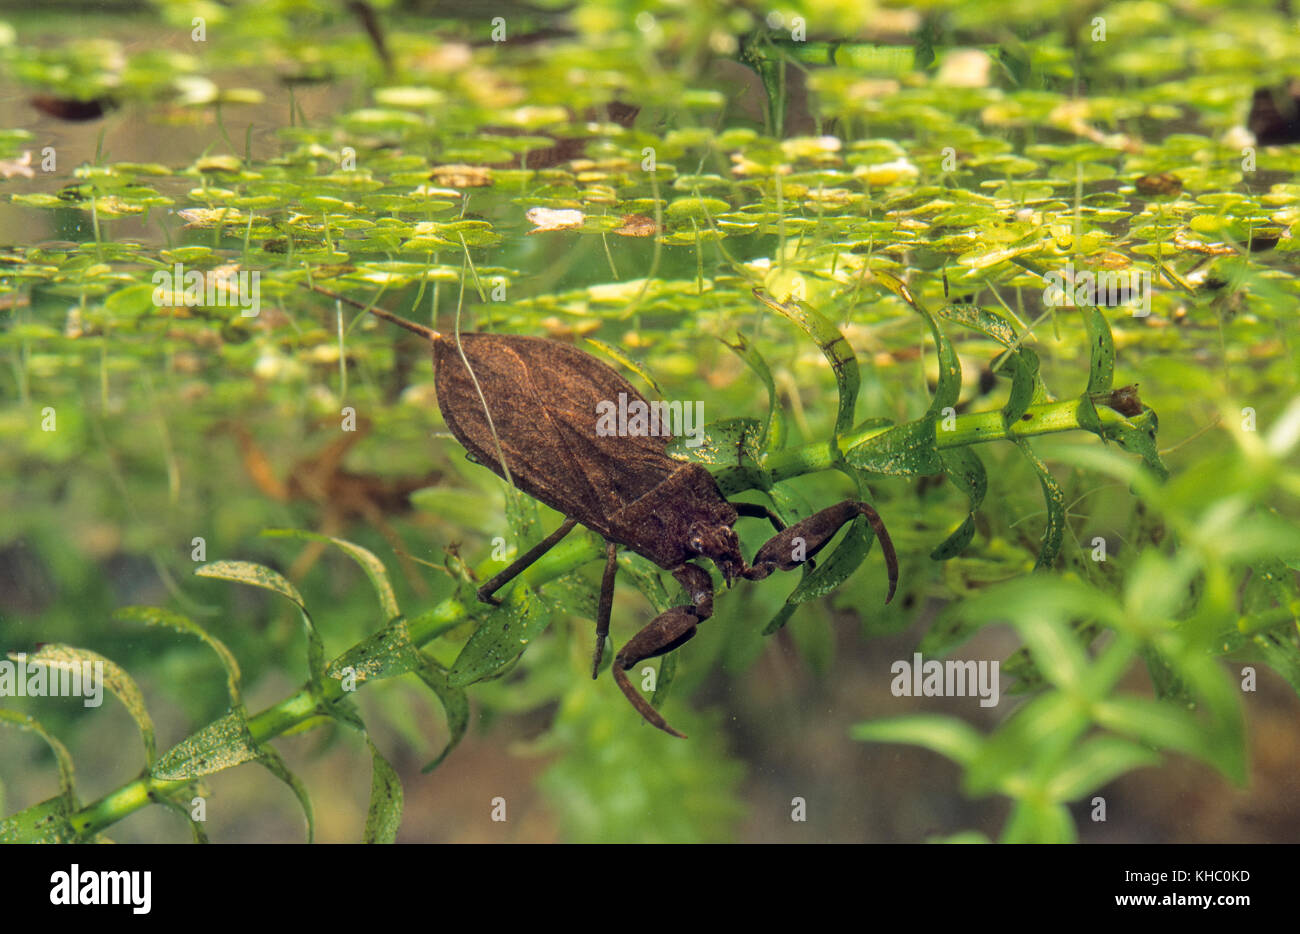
x=696, y=543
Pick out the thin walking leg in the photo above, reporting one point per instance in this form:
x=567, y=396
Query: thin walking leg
x=605, y=606
x=528, y=557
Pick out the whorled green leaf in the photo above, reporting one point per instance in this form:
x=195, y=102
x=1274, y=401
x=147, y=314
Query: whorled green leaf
x=1054, y=500
x=1042, y=731
x=222, y=744
x=844, y=364
x=1222, y=723
x=1021, y=668
x=1141, y=440
x=373, y=567
x=947, y=736
x=524, y=519
x=384, y=816
x=1101, y=351
x=255, y=575
x=25, y=821
x=1162, y=724
x=182, y=808
x=119, y=683
x=667, y=674
x=732, y=451
x=966, y=471
x=1281, y=655
x=616, y=354
x=258, y=575
x=1056, y=649
x=1038, y=821
x=501, y=637
x=1025, y=382
x=907, y=450
x=788, y=503
x=158, y=616
x=773, y=436
x=988, y=323
x=386, y=654
x=1164, y=679
x=455, y=705
x=270, y=760
x=830, y=573
x=50, y=821
x=948, y=389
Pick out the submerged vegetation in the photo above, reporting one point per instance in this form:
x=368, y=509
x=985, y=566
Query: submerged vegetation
x=1029, y=288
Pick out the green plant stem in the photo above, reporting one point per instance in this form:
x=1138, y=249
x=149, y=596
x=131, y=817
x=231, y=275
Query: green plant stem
x=975, y=428
x=304, y=705
x=574, y=552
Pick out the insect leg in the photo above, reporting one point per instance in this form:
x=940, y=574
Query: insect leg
x=757, y=511
x=790, y=548
x=662, y=634
x=528, y=557
x=606, y=605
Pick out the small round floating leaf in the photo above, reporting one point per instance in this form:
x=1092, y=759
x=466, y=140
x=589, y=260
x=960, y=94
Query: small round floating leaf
x=696, y=209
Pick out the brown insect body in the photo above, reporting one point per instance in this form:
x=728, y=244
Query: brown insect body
x=542, y=396
x=532, y=403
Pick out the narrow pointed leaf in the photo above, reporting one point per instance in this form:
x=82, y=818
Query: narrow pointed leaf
x=773, y=436
x=158, y=616
x=501, y=637
x=1101, y=346
x=50, y=821
x=947, y=736
x=907, y=450
x=844, y=364
x=373, y=567
x=1054, y=500
x=386, y=654
x=384, y=816
x=61, y=756
x=966, y=471
x=948, y=389
x=222, y=744
x=455, y=705
x=119, y=683
x=257, y=575
x=616, y=354
x=270, y=760
x=731, y=448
